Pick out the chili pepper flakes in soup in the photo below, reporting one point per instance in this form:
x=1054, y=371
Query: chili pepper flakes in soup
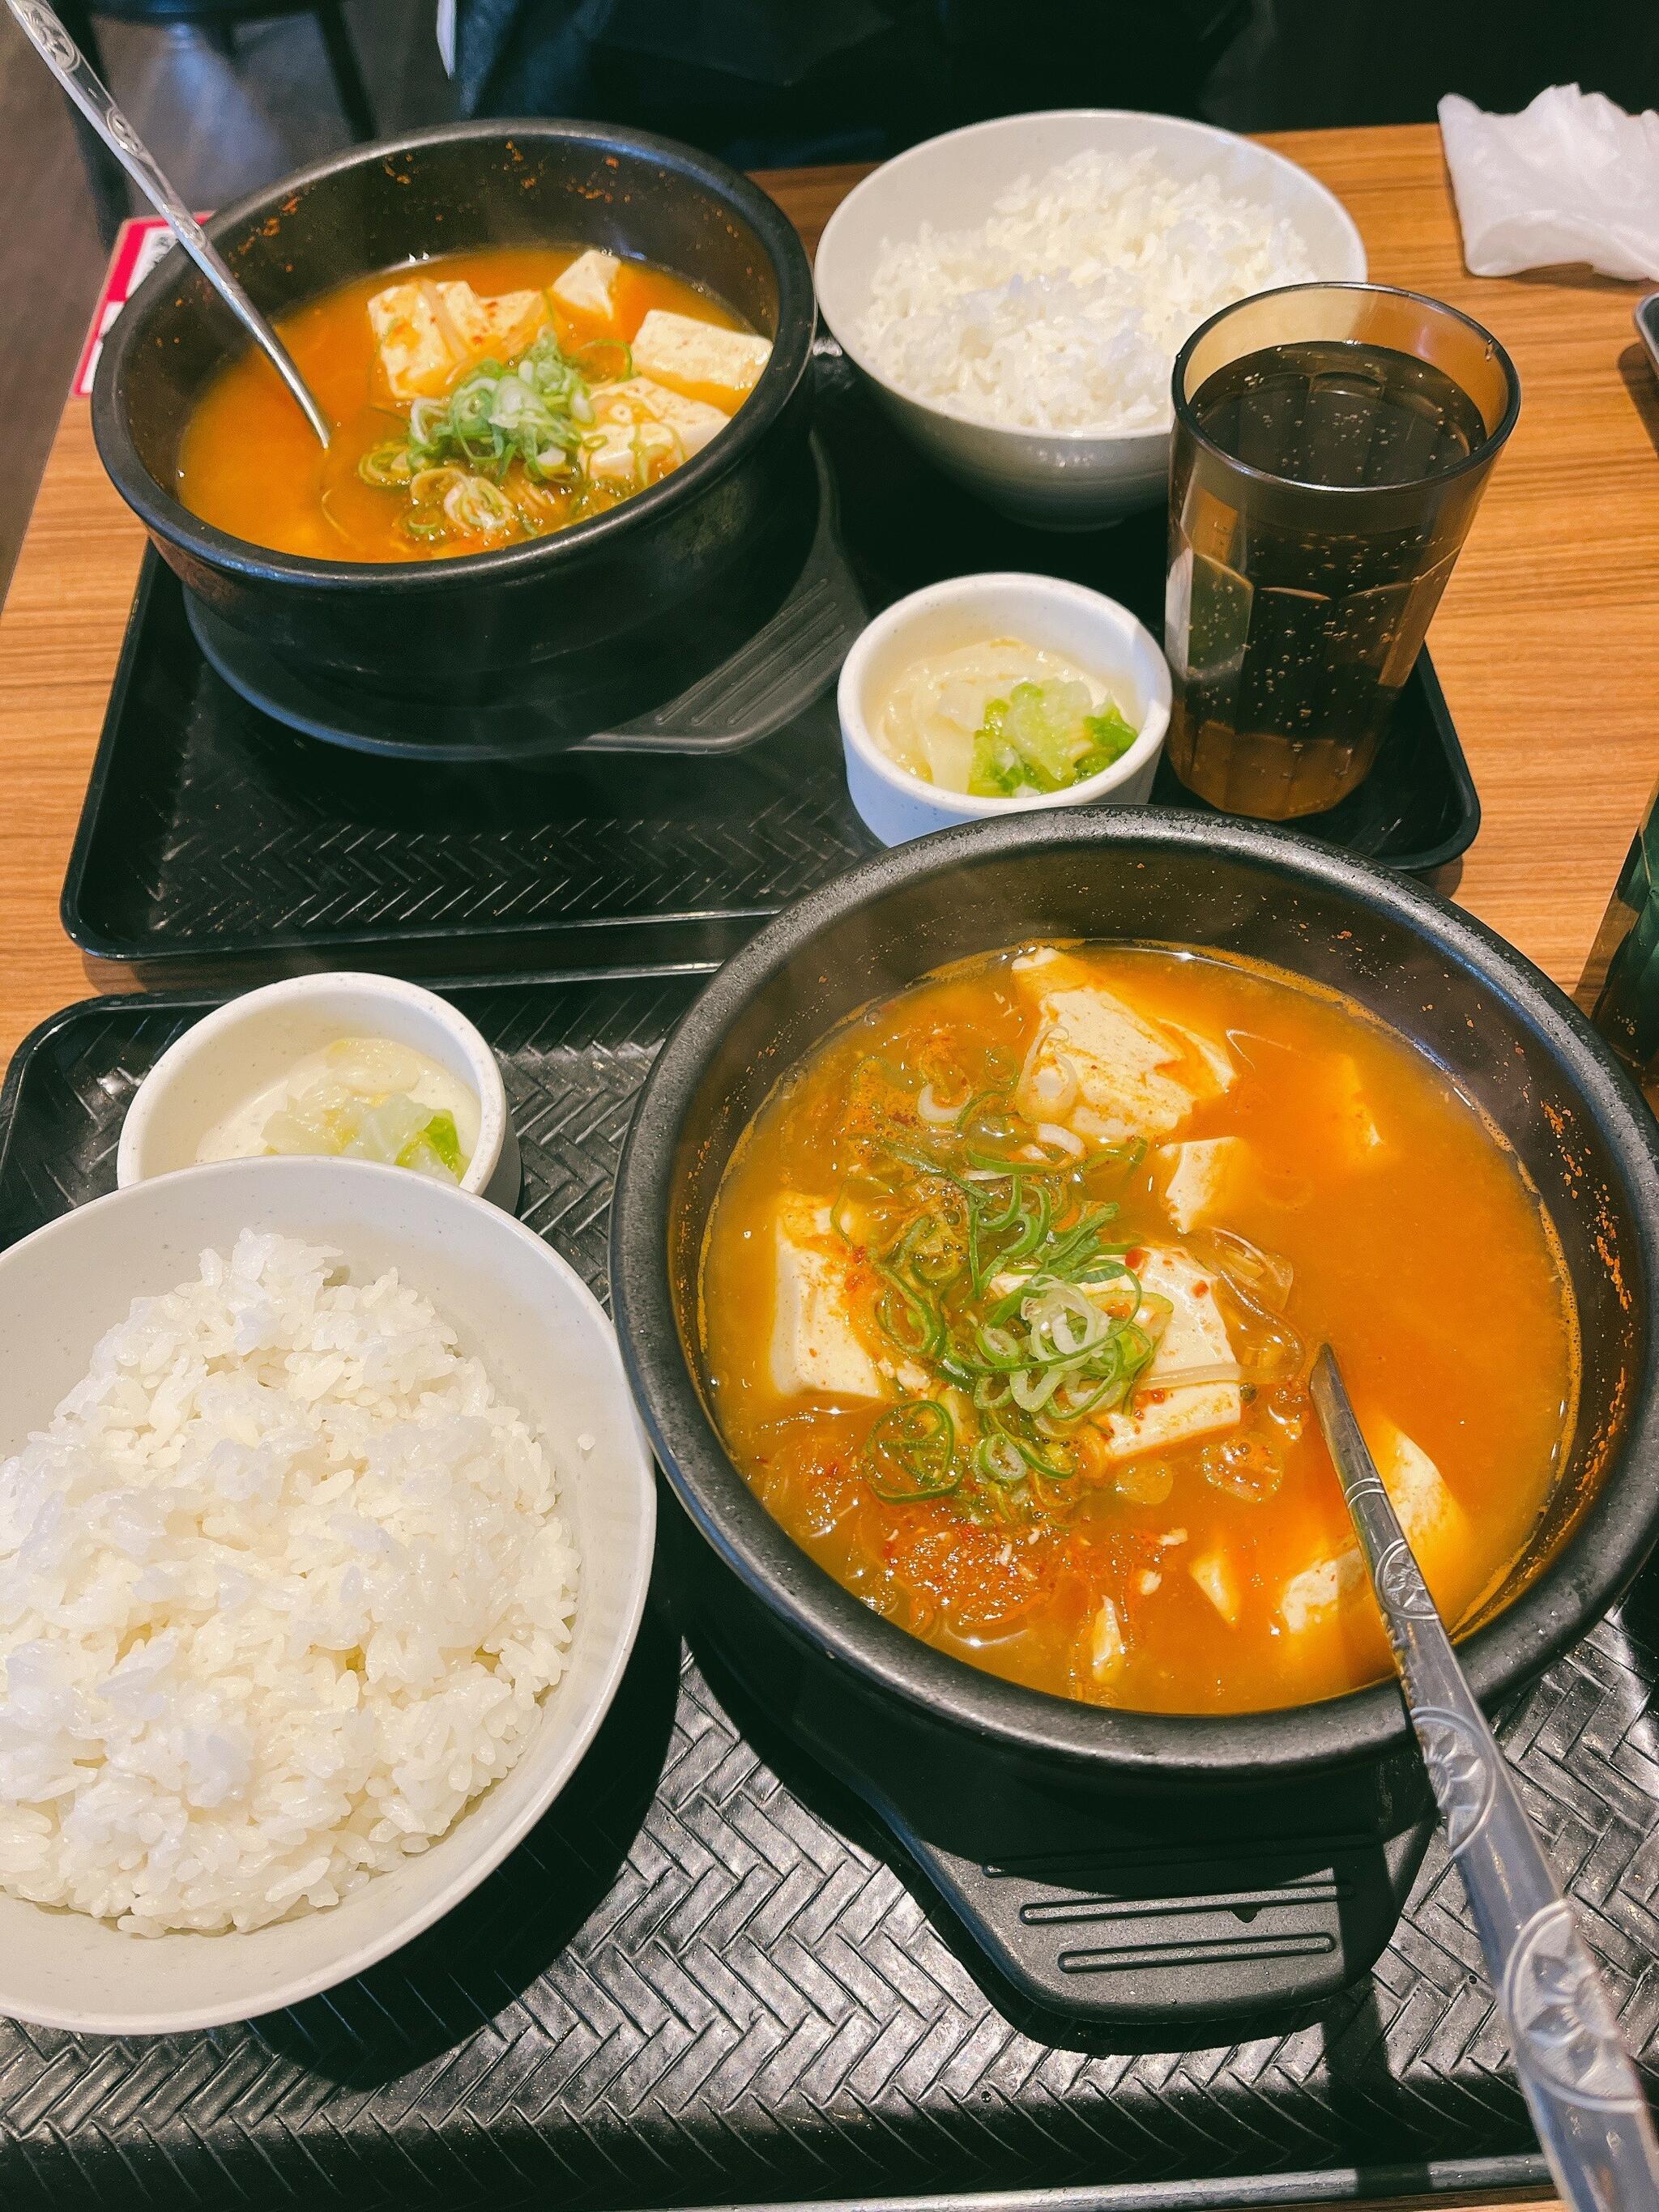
x=1012, y=1291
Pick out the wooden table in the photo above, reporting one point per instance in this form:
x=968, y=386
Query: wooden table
x=1545, y=642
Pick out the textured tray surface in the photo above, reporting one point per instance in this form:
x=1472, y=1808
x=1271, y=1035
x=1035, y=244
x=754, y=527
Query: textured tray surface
x=701, y=1981
x=212, y=833
x=218, y=831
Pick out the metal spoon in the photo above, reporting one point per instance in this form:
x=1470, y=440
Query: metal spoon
x=1581, y=2086
x=67, y=63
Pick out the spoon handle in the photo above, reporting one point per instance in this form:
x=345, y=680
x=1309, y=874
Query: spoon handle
x=1583, y=2091
x=87, y=89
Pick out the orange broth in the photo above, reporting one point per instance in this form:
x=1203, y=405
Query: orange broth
x=249, y=463
x=1423, y=1258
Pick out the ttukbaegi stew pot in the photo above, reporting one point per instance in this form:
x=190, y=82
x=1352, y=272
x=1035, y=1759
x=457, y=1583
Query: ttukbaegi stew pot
x=678, y=573
x=977, y=1775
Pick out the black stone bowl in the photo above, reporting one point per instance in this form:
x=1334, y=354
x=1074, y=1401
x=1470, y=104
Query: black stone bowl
x=624, y=610
x=984, y=1767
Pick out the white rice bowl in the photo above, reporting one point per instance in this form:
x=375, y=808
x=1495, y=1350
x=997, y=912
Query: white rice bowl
x=280, y=1586
x=1064, y=309
x=404, y=1795
x=1015, y=292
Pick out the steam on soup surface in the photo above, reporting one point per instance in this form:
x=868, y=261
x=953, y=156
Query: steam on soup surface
x=1011, y=1290
x=477, y=400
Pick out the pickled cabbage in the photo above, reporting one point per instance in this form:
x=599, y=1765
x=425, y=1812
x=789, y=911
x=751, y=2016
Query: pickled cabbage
x=356, y=1100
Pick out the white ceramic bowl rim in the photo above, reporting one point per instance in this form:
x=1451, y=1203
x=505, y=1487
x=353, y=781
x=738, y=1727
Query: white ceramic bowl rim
x=150, y=1098
x=964, y=589
x=628, y=1462
x=871, y=186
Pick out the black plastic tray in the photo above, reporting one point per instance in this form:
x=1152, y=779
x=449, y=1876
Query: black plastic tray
x=708, y=1979
x=212, y=835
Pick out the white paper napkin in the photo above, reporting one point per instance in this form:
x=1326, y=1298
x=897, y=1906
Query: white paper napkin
x=1572, y=178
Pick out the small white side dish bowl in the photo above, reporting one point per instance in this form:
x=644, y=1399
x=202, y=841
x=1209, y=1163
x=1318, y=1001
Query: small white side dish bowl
x=1095, y=633
x=1061, y=480
x=252, y=1040
x=548, y=1349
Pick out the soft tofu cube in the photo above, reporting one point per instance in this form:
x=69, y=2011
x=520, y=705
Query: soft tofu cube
x=1217, y=1577
x=588, y=286
x=1195, y=1335
x=609, y=456
x=1107, y=1650
x=502, y=326
x=815, y=1346
x=1357, y=1139
x=425, y=333
x=1435, y=1525
x=1201, y=1172
x=415, y=356
x=1218, y=1060
x=1312, y=1595
x=1118, y=1060
x=693, y=422
x=639, y=422
x=700, y=359
x=1162, y=1415
x=631, y=450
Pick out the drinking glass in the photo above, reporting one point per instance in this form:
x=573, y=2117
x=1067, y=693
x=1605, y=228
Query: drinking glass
x=1318, y=499
x=1620, y=983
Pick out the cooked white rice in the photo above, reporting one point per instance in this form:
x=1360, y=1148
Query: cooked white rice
x=1064, y=311
x=280, y=1586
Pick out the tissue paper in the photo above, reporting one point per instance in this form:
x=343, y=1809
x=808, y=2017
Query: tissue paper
x=1572, y=178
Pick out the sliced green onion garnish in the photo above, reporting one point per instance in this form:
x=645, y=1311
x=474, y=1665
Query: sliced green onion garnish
x=911, y=1453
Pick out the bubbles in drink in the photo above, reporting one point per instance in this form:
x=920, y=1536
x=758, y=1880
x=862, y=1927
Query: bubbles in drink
x=1312, y=532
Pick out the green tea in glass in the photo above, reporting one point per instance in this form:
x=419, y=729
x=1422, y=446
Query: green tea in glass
x=1331, y=444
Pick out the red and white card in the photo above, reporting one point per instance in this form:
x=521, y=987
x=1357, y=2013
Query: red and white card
x=139, y=245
